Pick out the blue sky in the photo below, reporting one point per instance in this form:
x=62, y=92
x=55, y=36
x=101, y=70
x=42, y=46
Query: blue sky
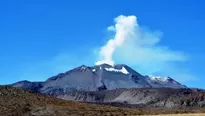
x=39, y=39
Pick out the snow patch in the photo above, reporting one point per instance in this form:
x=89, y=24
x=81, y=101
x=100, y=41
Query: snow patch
x=83, y=68
x=123, y=70
x=158, y=78
x=94, y=70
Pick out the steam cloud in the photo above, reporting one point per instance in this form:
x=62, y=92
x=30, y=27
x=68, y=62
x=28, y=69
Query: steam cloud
x=138, y=47
x=124, y=27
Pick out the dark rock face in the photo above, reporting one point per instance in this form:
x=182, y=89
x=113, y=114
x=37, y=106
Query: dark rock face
x=101, y=88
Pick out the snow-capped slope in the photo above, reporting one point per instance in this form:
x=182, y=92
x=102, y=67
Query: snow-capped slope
x=156, y=81
x=99, y=77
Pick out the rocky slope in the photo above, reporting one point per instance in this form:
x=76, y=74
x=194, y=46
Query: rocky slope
x=19, y=102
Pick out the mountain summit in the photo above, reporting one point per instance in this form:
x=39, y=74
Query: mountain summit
x=98, y=78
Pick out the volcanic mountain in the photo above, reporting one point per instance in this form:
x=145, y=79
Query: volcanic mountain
x=117, y=85
x=98, y=78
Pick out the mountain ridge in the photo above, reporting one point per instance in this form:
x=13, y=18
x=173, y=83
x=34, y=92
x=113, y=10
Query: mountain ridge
x=101, y=77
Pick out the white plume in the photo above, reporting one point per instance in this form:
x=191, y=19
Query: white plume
x=124, y=27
